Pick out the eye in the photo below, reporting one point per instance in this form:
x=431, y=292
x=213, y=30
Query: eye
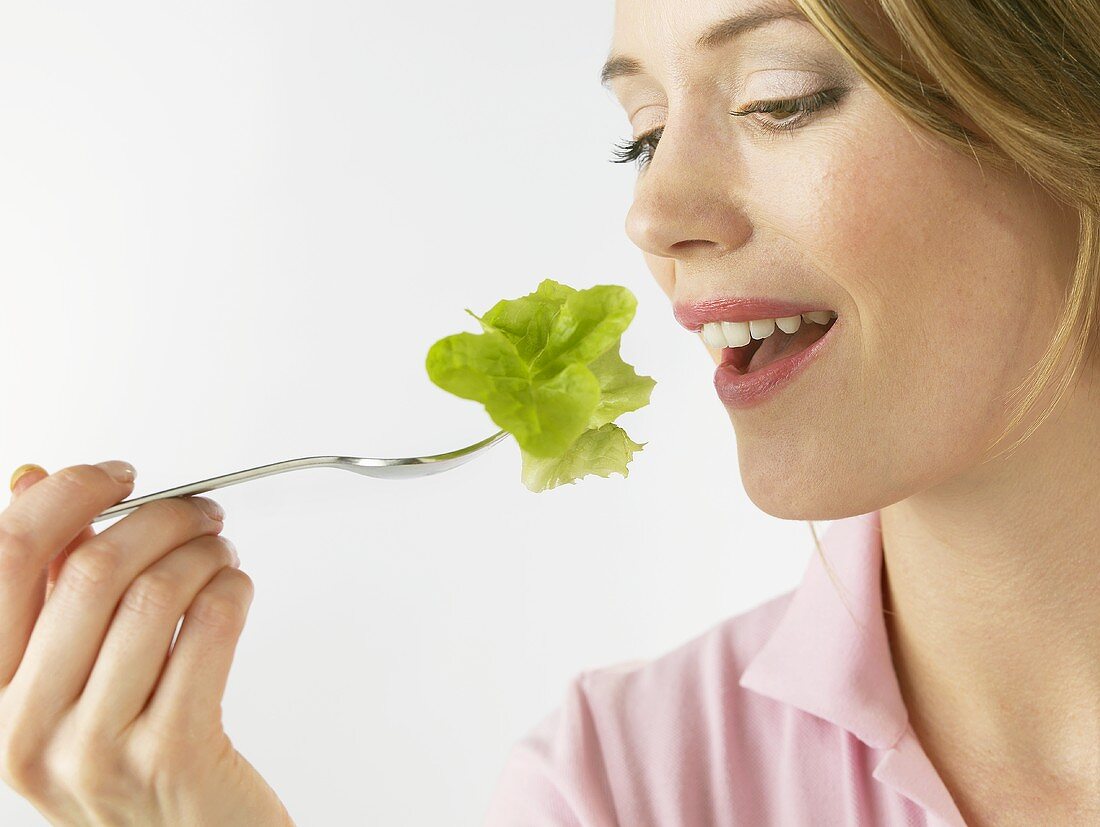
x=802, y=107
x=640, y=149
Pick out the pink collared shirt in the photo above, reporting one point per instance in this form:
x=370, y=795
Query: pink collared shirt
x=788, y=714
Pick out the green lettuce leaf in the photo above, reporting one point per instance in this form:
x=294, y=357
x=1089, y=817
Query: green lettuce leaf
x=545, y=416
x=601, y=451
x=621, y=388
x=548, y=370
x=527, y=321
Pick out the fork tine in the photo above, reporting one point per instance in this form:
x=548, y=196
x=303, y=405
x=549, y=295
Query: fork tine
x=412, y=467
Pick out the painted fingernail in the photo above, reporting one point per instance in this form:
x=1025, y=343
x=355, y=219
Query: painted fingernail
x=120, y=471
x=18, y=473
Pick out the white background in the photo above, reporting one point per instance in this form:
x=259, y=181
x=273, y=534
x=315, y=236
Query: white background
x=229, y=233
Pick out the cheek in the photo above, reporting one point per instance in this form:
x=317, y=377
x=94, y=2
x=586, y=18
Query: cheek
x=937, y=270
x=942, y=266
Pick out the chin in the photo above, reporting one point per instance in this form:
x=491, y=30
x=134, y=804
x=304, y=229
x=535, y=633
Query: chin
x=786, y=501
x=808, y=495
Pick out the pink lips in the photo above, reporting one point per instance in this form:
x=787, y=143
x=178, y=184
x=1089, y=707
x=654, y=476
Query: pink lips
x=693, y=315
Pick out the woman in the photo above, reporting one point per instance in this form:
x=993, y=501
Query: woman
x=939, y=663
x=841, y=157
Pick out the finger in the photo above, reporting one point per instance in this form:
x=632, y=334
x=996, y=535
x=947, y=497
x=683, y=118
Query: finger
x=189, y=696
x=58, y=562
x=74, y=621
x=136, y=647
x=23, y=478
x=41, y=520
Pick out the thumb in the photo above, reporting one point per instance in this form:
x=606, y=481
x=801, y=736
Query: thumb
x=25, y=476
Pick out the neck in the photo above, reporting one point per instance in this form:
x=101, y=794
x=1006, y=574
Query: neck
x=991, y=585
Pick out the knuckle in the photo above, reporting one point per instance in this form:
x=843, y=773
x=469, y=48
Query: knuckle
x=91, y=763
x=91, y=568
x=76, y=479
x=83, y=774
x=153, y=594
x=164, y=753
x=21, y=765
x=173, y=511
x=21, y=771
x=172, y=751
x=17, y=547
x=220, y=613
x=181, y=514
x=89, y=774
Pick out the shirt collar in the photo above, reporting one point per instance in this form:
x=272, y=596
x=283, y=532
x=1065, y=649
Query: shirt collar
x=819, y=659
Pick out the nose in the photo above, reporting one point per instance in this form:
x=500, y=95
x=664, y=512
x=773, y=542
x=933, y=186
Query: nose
x=687, y=200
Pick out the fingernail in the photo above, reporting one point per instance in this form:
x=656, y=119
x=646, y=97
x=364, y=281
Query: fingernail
x=18, y=473
x=233, y=548
x=120, y=471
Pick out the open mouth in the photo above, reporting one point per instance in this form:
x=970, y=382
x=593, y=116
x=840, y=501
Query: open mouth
x=759, y=353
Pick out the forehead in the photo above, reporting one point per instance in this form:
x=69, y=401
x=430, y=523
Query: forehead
x=683, y=30
x=686, y=18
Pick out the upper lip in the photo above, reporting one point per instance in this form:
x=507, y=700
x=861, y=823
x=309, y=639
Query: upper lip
x=693, y=315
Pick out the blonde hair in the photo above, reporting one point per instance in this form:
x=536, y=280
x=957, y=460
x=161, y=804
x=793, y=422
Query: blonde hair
x=1026, y=73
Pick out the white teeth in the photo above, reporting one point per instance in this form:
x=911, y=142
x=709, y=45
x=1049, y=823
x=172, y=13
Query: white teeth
x=762, y=328
x=739, y=334
x=789, y=324
x=713, y=336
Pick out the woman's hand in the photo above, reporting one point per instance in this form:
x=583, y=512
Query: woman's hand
x=99, y=723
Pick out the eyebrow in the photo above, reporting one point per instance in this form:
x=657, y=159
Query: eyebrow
x=720, y=33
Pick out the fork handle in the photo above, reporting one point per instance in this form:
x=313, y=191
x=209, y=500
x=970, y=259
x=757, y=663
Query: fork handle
x=404, y=467
x=126, y=506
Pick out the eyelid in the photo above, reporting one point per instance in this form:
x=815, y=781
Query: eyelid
x=780, y=86
x=807, y=80
x=650, y=118
x=806, y=107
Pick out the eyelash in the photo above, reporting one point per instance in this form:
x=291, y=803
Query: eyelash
x=641, y=149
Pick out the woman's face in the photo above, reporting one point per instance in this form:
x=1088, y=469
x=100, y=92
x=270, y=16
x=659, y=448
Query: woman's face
x=946, y=275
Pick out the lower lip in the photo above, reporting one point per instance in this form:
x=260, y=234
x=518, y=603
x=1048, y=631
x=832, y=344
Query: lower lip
x=737, y=390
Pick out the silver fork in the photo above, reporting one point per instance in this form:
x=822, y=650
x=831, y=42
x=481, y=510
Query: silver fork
x=401, y=468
